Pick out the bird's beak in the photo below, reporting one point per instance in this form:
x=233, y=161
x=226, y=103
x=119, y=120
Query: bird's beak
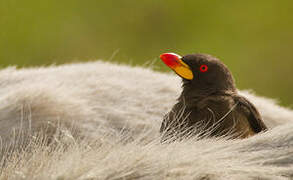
x=174, y=61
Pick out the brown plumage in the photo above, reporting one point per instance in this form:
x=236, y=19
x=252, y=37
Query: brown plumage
x=209, y=104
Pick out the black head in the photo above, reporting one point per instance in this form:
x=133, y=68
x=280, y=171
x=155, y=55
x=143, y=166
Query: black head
x=201, y=73
x=209, y=73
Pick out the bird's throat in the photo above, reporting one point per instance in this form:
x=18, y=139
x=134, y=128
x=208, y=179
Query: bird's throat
x=191, y=96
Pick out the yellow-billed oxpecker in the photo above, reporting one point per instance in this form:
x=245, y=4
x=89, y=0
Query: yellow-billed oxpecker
x=209, y=104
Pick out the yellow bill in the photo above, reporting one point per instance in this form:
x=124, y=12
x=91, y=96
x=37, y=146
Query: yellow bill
x=174, y=61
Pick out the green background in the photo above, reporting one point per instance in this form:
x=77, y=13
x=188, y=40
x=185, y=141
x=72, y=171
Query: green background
x=254, y=38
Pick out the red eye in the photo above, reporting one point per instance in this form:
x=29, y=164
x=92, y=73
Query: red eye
x=203, y=68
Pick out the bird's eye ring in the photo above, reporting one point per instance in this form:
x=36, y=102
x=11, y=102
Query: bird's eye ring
x=203, y=68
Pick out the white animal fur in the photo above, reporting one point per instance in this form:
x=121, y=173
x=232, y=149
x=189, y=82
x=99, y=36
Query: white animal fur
x=105, y=103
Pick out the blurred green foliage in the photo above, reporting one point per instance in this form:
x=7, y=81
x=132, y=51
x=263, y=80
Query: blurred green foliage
x=254, y=38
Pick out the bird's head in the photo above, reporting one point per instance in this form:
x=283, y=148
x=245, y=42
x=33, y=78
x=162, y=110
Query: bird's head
x=200, y=72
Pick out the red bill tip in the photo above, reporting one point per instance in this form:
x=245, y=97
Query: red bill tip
x=170, y=59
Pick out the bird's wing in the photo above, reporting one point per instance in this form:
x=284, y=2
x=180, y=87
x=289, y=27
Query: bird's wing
x=252, y=114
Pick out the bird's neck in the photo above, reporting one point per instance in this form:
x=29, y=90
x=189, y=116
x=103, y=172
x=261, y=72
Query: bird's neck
x=191, y=96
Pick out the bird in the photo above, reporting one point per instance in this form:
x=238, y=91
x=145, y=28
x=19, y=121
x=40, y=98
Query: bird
x=209, y=104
